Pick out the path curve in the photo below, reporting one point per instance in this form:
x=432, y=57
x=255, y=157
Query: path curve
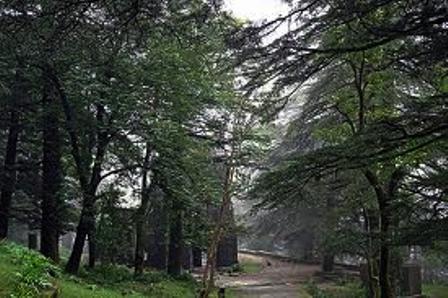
x=277, y=279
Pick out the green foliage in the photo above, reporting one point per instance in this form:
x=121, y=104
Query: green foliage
x=25, y=274
x=36, y=273
x=436, y=256
x=107, y=274
x=114, y=220
x=120, y=279
x=345, y=290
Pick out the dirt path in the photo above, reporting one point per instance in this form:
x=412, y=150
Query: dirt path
x=279, y=279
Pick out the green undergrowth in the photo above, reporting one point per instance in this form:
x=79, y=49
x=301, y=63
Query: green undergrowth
x=351, y=289
x=26, y=273
x=354, y=291
x=339, y=289
x=436, y=290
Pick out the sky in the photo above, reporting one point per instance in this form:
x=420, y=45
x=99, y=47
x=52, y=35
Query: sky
x=256, y=10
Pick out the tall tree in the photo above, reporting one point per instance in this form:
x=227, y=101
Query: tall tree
x=51, y=173
x=9, y=171
x=374, y=40
x=142, y=213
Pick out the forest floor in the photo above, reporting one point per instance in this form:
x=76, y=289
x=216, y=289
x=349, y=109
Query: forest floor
x=276, y=278
x=264, y=276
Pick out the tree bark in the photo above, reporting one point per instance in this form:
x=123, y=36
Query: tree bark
x=176, y=243
x=51, y=175
x=226, y=202
x=383, y=198
x=371, y=226
x=92, y=244
x=9, y=176
x=139, y=249
x=86, y=225
x=141, y=216
x=78, y=247
x=89, y=179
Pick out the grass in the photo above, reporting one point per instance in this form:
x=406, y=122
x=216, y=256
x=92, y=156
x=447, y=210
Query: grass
x=302, y=292
x=341, y=289
x=71, y=289
x=353, y=290
x=103, y=282
x=7, y=271
x=435, y=290
x=251, y=267
x=232, y=293
x=164, y=289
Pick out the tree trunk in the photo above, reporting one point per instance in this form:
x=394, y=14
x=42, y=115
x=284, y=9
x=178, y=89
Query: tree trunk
x=82, y=171
x=51, y=175
x=373, y=286
x=371, y=226
x=383, y=198
x=176, y=245
x=384, y=268
x=141, y=215
x=9, y=174
x=226, y=202
x=84, y=227
x=139, y=248
x=8, y=178
x=75, y=257
x=92, y=245
x=95, y=179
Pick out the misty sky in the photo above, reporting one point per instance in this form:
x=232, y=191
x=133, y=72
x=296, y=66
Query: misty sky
x=256, y=10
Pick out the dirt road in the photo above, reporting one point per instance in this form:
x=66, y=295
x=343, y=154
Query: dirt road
x=277, y=279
